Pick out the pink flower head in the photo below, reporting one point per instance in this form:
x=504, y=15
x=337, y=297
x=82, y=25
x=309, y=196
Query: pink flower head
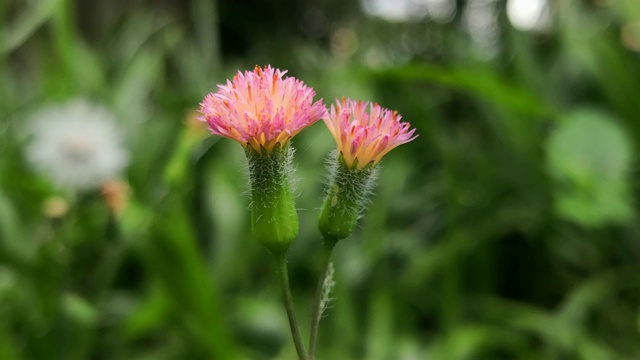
x=260, y=108
x=365, y=132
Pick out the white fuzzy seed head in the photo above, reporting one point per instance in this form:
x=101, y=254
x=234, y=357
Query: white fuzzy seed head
x=77, y=144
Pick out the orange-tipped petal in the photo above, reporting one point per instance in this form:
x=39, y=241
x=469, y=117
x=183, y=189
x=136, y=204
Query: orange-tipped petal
x=364, y=137
x=261, y=108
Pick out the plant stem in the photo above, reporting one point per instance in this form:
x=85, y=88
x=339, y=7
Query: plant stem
x=317, y=306
x=283, y=276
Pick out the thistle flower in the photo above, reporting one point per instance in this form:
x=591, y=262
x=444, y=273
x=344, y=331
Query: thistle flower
x=364, y=133
x=77, y=145
x=364, y=137
x=262, y=110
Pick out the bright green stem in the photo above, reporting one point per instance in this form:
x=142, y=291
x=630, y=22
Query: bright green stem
x=283, y=276
x=317, y=305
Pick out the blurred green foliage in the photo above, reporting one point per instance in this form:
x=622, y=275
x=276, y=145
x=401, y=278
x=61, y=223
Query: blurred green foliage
x=591, y=158
x=507, y=230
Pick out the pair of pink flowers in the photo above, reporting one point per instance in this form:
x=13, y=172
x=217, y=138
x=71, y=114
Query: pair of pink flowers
x=262, y=108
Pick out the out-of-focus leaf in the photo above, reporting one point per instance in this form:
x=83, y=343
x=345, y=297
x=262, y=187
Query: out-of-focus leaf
x=8, y=348
x=479, y=82
x=598, y=53
x=227, y=212
x=130, y=93
x=205, y=16
x=427, y=264
x=469, y=341
x=551, y=329
x=192, y=134
x=150, y=313
x=79, y=310
x=87, y=68
x=628, y=9
x=589, y=157
x=262, y=325
x=380, y=326
x=26, y=24
x=585, y=296
x=14, y=245
x=174, y=259
x=134, y=35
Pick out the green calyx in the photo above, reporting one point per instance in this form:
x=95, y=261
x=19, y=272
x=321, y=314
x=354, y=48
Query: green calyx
x=346, y=198
x=274, y=220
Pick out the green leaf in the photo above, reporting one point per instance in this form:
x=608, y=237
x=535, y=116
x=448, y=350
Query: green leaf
x=173, y=258
x=469, y=342
x=26, y=25
x=79, y=310
x=481, y=82
x=589, y=157
x=14, y=246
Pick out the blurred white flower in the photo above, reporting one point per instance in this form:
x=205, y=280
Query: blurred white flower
x=480, y=18
x=77, y=145
x=529, y=15
x=410, y=10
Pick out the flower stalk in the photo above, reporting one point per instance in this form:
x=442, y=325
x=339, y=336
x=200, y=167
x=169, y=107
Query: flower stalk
x=364, y=133
x=283, y=277
x=320, y=298
x=263, y=110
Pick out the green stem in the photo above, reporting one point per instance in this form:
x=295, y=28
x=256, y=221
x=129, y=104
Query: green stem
x=283, y=276
x=317, y=306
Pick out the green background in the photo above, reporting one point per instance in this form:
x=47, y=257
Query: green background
x=507, y=230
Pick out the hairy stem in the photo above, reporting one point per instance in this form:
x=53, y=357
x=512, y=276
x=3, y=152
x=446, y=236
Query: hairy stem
x=318, y=303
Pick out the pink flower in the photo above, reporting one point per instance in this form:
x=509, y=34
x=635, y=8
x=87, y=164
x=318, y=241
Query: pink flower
x=365, y=136
x=260, y=108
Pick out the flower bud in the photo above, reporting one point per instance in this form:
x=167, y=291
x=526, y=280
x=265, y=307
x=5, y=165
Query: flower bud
x=364, y=133
x=263, y=110
x=346, y=198
x=274, y=220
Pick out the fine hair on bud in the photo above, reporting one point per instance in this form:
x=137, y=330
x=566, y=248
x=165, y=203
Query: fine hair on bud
x=267, y=169
x=274, y=220
x=354, y=186
x=347, y=195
